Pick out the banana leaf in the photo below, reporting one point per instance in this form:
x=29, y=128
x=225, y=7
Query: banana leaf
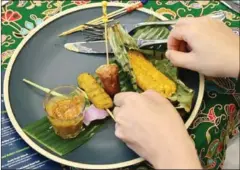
x=151, y=32
x=43, y=133
x=120, y=42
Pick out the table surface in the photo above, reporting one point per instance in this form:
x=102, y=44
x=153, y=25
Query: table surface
x=217, y=119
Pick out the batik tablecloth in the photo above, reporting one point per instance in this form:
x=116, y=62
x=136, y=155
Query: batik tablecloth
x=218, y=118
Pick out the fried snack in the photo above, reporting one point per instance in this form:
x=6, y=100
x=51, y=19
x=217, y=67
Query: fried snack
x=108, y=75
x=95, y=92
x=148, y=77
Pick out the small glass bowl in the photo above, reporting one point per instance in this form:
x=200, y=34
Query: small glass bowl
x=64, y=106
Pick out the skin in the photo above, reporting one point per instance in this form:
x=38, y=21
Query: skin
x=214, y=48
x=148, y=123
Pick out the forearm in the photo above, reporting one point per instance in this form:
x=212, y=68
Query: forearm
x=183, y=156
x=181, y=163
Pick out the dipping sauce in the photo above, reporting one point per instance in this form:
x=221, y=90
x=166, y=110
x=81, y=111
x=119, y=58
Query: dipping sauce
x=65, y=112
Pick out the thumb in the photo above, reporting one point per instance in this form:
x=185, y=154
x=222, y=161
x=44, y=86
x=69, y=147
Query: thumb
x=180, y=59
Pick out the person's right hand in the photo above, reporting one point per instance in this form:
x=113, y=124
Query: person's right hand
x=214, y=48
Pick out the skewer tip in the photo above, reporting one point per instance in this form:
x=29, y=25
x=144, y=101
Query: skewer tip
x=104, y=3
x=25, y=80
x=62, y=34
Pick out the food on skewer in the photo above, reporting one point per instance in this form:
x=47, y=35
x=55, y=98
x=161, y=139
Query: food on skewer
x=108, y=75
x=148, y=77
x=95, y=92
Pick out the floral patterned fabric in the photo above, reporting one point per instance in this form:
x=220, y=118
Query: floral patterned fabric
x=219, y=116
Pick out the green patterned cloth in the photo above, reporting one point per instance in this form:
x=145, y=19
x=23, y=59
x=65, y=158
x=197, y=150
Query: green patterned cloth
x=219, y=116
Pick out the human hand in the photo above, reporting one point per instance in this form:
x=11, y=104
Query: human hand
x=151, y=127
x=214, y=48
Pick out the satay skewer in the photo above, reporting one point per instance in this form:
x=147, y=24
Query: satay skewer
x=105, y=21
x=47, y=90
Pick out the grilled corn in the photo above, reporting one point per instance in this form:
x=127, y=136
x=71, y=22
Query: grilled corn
x=148, y=77
x=95, y=92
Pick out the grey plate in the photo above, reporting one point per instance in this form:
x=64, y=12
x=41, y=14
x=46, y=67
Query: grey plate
x=44, y=60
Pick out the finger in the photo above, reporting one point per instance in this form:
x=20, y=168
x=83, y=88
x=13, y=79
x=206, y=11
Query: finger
x=183, y=46
x=176, y=36
x=120, y=98
x=130, y=145
x=181, y=59
x=154, y=96
x=178, y=45
x=173, y=43
x=188, y=48
x=116, y=126
x=116, y=111
x=118, y=132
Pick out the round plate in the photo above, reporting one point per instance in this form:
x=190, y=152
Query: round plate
x=41, y=57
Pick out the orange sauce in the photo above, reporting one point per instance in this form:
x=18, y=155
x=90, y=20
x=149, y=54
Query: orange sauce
x=65, y=115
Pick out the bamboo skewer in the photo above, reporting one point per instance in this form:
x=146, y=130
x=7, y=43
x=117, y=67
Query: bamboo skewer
x=82, y=27
x=105, y=20
x=106, y=44
x=111, y=114
x=99, y=20
x=46, y=90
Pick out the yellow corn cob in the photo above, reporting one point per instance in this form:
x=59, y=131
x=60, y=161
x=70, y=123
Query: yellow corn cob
x=95, y=92
x=148, y=77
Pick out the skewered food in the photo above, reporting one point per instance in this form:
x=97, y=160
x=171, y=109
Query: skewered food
x=108, y=75
x=95, y=92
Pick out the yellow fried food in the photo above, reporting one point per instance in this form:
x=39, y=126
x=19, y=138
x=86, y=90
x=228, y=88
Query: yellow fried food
x=148, y=77
x=95, y=92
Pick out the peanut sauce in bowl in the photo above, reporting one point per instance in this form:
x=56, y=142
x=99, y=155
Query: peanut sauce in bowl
x=64, y=106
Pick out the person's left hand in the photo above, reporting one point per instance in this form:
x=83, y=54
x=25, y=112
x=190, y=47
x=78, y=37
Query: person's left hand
x=151, y=126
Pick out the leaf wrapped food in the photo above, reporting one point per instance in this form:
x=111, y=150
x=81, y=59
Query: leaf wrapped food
x=148, y=77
